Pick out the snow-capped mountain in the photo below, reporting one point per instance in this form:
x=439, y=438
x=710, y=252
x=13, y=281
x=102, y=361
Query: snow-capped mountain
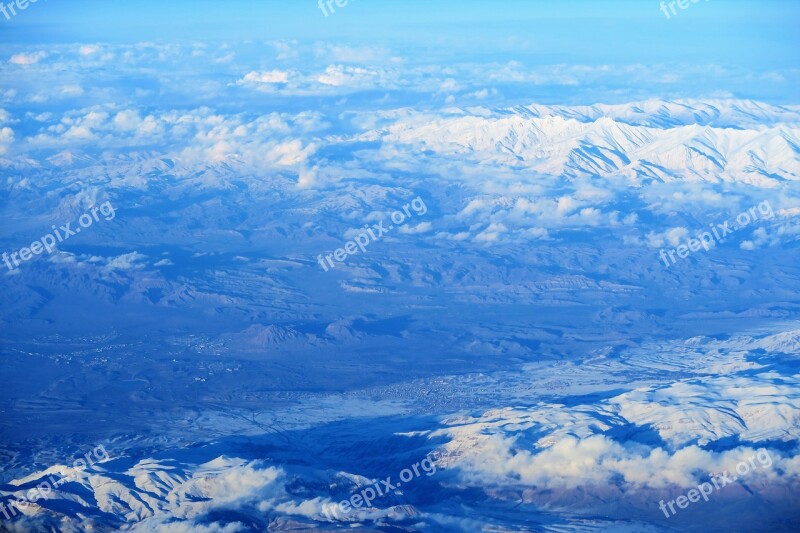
x=521, y=330
x=655, y=140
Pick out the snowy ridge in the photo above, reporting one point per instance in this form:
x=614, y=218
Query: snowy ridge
x=670, y=113
x=598, y=145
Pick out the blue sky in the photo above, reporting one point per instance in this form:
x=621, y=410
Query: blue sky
x=619, y=31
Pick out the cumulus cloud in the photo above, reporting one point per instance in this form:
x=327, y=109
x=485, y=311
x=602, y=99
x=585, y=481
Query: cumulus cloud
x=599, y=461
x=482, y=94
x=343, y=75
x=89, y=49
x=127, y=120
x=6, y=138
x=194, y=137
x=423, y=227
x=267, y=76
x=561, y=447
x=131, y=261
x=758, y=239
x=27, y=59
x=492, y=233
x=672, y=236
x=78, y=133
x=290, y=153
x=307, y=177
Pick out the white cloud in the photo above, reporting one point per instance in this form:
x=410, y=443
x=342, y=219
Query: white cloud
x=79, y=132
x=549, y=446
x=89, y=49
x=131, y=261
x=27, y=59
x=492, y=233
x=290, y=153
x=127, y=120
x=598, y=461
x=307, y=177
x=71, y=90
x=266, y=76
x=341, y=75
x=482, y=94
x=449, y=85
x=423, y=227
x=759, y=238
x=672, y=236
x=566, y=205
x=6, y=138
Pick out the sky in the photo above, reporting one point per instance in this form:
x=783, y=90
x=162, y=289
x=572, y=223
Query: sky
x=622, y=31
x=568, y=52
